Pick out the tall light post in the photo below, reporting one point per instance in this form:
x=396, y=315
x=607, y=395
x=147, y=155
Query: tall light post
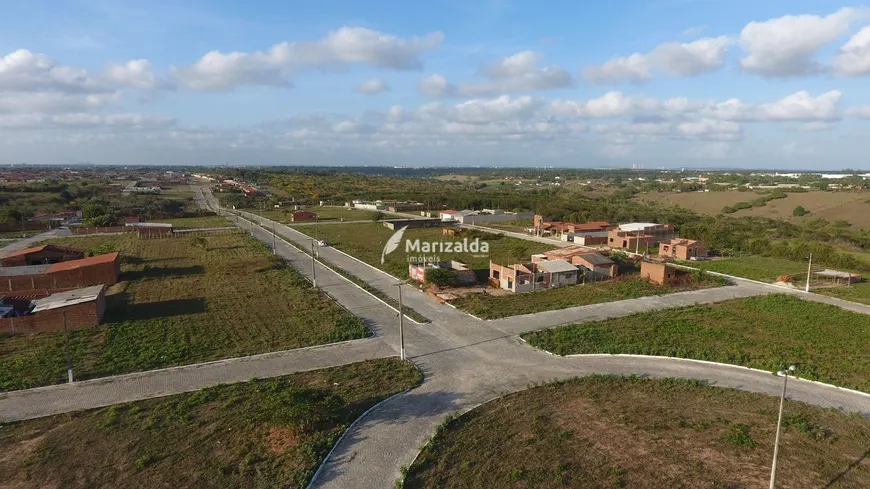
x=274, y=238
x=401, y=324
x=785, y=374
x=809, y=272
x=313, y=270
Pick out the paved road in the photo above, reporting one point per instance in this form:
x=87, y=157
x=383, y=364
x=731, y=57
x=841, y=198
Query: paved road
x=471, y=361
x=28, y=242
x=465, y=361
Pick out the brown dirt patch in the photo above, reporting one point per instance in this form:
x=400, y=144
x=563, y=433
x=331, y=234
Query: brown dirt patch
x=604, y=432
x=281, y=439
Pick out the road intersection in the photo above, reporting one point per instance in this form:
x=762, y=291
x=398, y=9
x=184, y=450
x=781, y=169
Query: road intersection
x=466, y=361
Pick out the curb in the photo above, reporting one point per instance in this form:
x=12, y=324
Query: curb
x=706, y=362
x=330, y=269
x=340, y=438
x=192, y=366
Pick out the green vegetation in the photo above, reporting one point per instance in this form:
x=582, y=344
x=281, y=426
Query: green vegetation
x=366, y=241
x=411, y=313
x=602, y=432
x=759, y=202
x=178, y=305
x=263, y=433
x=799, y=211
x=324, y=214
x=442, y=277
x=487, y=306
x=755, y=267
x=859, y=292
x=828, y=344
x=197, y=222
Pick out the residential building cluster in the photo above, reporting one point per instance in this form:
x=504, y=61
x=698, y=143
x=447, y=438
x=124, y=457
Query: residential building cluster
x=52, y=288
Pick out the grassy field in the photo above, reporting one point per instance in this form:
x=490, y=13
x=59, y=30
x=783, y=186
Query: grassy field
x=366, y=242
x=756, y=267
x=828, y=344
x=263, y=433
x=606, y=432
x=850, y=206
x=197, y=222
x=520, y=226
x=177, y=305
x=856, y=293
x=325, y=214
x=494, y=307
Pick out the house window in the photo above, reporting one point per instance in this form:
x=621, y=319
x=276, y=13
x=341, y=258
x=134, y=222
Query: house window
x=624, y=244
x=495, y=274
x=539, y=279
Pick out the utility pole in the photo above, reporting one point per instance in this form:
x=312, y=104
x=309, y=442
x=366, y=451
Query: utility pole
x=69, y=371
x=313, y=270
x=778, y=425
x=274, y=239
x=401, y=324
x=637, y=244
x=809, y=271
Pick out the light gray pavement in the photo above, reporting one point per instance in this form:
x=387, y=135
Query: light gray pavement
x=465, y=361
x=28, y=242
x=57, y=399
x=468, y=361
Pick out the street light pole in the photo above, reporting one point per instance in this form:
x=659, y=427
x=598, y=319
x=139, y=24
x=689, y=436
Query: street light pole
x=401, y=324
x=778, y=426
x=274, y=239
x=69, y=372
x=313, y=270
x=809, y=271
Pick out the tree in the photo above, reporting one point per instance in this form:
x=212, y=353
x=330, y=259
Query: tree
x=199, y=242
x=799, y=211
x=442, y=277
x=377, y=216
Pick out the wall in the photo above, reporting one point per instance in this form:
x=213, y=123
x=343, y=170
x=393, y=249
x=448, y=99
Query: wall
x=86, y=276
x=100, y=230
x=485, y=218
x=395, y=224
x=42, y=257
x=78, y=316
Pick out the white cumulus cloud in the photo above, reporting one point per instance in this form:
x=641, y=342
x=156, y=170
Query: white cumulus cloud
x=341, y=47
x=674, y=59
x=371, y=87
x=853, y=58
x=787, y=46
x=800, y=106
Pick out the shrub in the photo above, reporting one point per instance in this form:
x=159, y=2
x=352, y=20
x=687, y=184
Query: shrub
x=442, y=277
x=799, y=211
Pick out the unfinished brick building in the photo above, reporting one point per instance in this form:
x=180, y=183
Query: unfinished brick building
x=102, y=269
x=74, y=309
x=41, y=255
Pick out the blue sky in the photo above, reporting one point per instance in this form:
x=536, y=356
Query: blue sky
x=674, y=83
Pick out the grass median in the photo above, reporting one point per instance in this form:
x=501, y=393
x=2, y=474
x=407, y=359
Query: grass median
x=603, y=432
x=828, y=344
x=487, y=306
x=263, y=433
x=177, y=304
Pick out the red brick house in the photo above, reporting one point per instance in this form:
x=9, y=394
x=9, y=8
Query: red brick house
x=662, y=273
x=41, y=255
x=73, y=309
x=682, y=249
x=302, y=216
x=102, y=269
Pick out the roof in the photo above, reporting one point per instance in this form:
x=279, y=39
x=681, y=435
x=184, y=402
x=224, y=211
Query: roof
x=450, y=212
x=681, y=242
x=837, y=273
x=556, y=266
x=149, y=225
x=26, y=270
x=73, y=264
x=596, y=259
x=69, y=298
x=37, y=249
x=636, y=226
x=567, y=252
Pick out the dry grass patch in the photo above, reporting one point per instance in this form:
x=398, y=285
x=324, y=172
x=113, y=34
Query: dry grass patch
x=263, y=433
x=606, y=432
